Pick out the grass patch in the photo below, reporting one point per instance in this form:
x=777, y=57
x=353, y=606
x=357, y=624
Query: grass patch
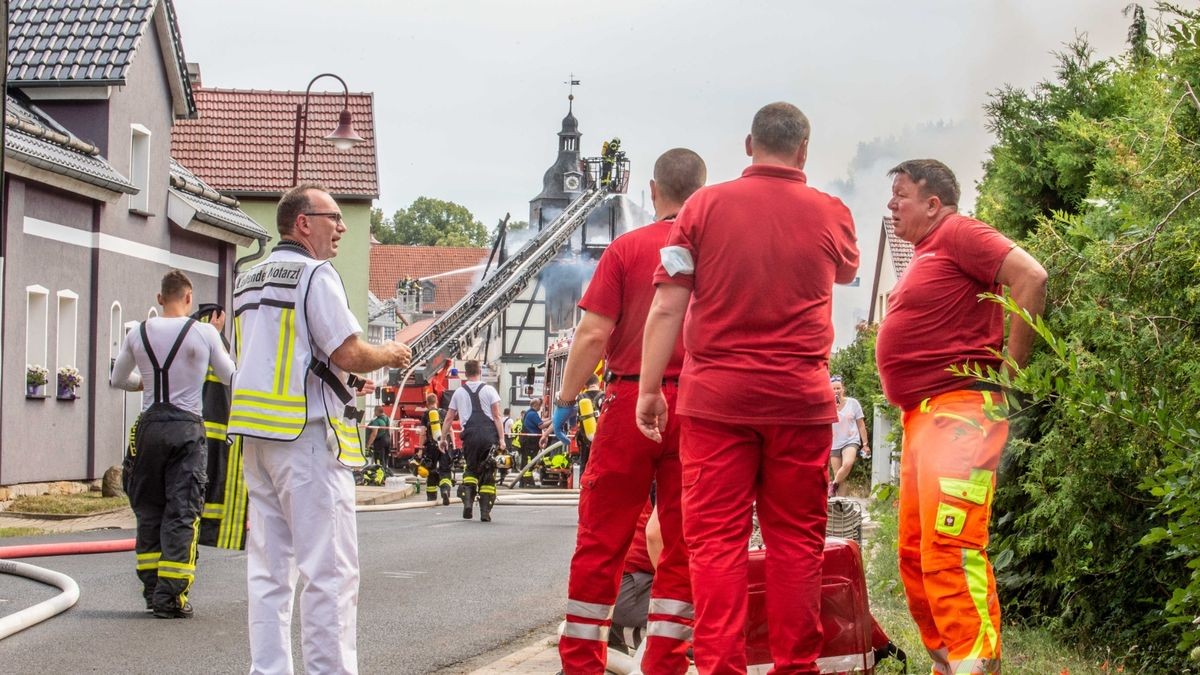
x=20, y=532
x=1025, y=649
x=77, y=504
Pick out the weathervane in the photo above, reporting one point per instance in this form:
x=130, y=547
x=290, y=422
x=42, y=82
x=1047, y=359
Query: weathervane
x=572, y=82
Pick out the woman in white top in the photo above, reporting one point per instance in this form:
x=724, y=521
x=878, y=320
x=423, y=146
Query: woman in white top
x=849, y=437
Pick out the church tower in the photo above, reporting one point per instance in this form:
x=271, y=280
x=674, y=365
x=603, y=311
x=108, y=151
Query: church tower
x=563, y=181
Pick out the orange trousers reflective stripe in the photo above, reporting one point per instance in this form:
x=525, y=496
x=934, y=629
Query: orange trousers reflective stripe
x=952, y=447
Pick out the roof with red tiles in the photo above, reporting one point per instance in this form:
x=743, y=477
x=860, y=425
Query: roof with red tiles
x=243, y=142
x=391, y=263
x=902, y=251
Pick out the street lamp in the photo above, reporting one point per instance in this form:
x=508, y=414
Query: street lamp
x=343, y=137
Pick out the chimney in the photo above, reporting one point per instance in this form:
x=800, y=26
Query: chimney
x=193, y=71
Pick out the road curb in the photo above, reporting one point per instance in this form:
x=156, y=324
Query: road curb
x=521, y=661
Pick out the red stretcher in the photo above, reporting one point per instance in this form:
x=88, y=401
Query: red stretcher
x=854, y=642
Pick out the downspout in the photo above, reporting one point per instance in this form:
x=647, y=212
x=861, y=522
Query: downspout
x=237, y=266
x=94, y=332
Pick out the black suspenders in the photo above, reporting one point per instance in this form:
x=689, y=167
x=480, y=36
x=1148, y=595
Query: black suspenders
x=162, y=381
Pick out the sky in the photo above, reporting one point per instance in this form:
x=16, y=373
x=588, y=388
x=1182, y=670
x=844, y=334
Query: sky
x=470, y=94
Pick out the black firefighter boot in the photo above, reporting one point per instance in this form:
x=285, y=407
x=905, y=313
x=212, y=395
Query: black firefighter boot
x=485, y=507
x=445, y=489
x=467, y=492
x=431, y=492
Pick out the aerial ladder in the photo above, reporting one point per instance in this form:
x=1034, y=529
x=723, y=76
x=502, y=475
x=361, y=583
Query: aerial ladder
x=454, y=332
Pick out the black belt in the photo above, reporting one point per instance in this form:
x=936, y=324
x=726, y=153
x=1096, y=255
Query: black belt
x=613, y=377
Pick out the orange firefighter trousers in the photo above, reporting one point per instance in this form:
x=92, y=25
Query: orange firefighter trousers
x=952, y=446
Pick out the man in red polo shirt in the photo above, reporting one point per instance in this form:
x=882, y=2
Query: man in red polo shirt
x=954, y=428
x=623, y=462
x=756, y=258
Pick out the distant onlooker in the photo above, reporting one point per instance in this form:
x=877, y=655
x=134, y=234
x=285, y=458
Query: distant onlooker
x=849, y=437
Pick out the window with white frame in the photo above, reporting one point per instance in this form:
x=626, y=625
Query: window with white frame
x=37, y=317
x=68, y=325
x=139, y=167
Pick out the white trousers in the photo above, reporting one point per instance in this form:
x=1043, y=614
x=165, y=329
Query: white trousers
x=302, y=525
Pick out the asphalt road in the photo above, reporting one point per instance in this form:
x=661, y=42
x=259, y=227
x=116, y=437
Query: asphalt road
x=438, y=594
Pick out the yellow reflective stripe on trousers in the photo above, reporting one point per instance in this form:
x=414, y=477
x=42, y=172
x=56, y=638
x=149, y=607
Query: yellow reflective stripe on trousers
x=470, y=480
x=232, y=532
x=975, y=570
x=216, y=430
x=211, y=376
x=445, y=481
x=213, y=510
x=148, y=561
x=487, y=489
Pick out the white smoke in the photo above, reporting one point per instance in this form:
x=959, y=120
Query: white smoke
x=867, y=188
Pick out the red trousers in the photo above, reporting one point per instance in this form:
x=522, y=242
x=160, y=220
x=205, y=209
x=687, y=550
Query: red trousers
x=726, y=470
x=622, y=467
x=952, y=446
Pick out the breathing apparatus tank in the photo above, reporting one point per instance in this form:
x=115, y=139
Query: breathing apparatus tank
x=435, y=423
x=587, y=417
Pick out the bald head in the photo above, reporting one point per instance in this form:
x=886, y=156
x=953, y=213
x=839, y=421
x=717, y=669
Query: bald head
x=678, y=173
x=779, y=129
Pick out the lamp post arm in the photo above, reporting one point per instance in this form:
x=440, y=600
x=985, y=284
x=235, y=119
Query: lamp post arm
x=302, y=121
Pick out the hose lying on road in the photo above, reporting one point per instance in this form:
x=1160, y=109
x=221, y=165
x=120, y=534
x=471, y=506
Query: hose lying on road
x=30, y=616
x=66, y=548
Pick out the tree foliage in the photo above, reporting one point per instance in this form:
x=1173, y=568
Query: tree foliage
x=1097, y=174
x=429, y=222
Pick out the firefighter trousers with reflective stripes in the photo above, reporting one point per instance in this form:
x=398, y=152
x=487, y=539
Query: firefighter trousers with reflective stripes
x=166, y=491
x=622, y=467
x=952, y=446
x=302, y=527
x=480, y=468
x=727, y=471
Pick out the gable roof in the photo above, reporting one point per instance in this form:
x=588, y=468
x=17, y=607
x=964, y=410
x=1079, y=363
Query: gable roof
x=243, y=142
x=391, y=263
x=54, y=43
x=902, y=251
x=36, y=139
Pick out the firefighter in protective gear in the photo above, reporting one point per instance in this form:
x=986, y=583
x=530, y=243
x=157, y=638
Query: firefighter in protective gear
x=610, y=153
x=223, y=521
x=166, y=466
x=483, y=430
x=293, y=404
x=440, y=477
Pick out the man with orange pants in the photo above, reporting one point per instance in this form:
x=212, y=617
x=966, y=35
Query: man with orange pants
x=954, y=429
x=752, y=263
x=623, y=462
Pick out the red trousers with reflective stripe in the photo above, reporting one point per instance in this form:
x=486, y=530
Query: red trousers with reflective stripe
x=726, y=471
x=952, y=446
x=614, y=489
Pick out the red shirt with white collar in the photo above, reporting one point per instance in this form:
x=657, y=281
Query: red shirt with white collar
x=764, y=251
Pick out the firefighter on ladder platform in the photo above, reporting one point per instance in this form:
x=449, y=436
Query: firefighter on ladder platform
x=623, y=462
x=436, y=461
x=482, y=431
x=610, y=155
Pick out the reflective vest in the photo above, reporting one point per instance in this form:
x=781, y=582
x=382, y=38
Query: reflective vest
x=276, y=359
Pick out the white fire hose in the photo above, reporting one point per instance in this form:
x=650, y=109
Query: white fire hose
x=19, y=621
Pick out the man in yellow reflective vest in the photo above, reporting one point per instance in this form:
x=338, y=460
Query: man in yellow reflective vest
x=298, y=346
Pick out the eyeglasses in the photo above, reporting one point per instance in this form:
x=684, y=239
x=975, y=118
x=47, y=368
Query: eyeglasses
x=337, y=217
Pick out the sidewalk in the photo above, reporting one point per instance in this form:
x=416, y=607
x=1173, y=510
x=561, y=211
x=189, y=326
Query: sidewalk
x=122, y=519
